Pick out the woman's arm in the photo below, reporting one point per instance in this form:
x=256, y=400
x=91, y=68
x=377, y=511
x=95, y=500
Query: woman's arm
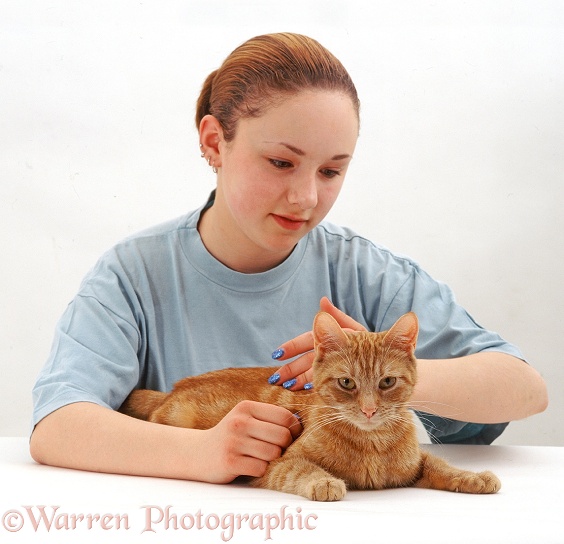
x=87, y=436
x=486, y=387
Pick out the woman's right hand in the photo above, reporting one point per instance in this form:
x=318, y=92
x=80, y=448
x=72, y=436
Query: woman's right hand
x=86, y=436
x=250, y=436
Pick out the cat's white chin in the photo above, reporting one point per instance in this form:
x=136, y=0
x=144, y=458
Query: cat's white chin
x=368, y=424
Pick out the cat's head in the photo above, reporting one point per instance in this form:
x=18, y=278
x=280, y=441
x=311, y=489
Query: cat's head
x=366, y=377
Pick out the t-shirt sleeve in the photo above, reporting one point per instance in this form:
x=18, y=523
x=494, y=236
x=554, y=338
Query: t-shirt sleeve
x=95, y=351
x=448, y=331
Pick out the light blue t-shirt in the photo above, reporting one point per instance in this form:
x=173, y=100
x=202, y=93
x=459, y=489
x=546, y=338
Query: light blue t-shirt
x=158, y=307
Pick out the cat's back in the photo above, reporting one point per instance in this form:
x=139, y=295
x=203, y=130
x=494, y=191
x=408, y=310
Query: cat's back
x=219, y=391
x=247, y=383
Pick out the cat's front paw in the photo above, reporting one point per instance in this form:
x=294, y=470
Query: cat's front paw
x=326, y=489
x=478, y=483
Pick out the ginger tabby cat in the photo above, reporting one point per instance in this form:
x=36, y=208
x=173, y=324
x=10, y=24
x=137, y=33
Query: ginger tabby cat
x=357, y=430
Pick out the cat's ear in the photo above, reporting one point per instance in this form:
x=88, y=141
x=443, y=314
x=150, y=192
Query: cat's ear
x=327, y=334
x=403, y=334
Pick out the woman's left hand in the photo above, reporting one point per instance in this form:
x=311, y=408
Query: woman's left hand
x=298, y=373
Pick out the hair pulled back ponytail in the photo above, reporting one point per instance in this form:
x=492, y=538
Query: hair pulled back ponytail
x=203, y=103
x=257, y=72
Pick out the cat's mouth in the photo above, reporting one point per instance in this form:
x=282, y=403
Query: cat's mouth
x=367, y=423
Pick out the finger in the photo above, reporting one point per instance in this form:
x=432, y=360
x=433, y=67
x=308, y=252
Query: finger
x=254, y=443
x=304, y=342
x=288, y=421
x=249, y=466
x=260, y=449
x=344, y=320
x=302, y=381
x=274, y=424
x=299, y=370
x=295, y=427
x=296, y=346
x=278, y=416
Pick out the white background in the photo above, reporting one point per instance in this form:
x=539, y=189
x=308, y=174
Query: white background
x=460, y=163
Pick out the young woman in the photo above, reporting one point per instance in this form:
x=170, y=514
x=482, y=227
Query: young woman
x=245, y=274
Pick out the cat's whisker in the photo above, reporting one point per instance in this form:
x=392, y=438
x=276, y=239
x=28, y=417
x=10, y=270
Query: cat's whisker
x=430, y=427
x=317, y=423
x=426, y=420
x=302, y=409
x=393, y=419
x=319, y=419
x=323, y=420
x=455, y=411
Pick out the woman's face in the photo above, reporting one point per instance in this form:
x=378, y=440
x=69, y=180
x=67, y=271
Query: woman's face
x=281, y=174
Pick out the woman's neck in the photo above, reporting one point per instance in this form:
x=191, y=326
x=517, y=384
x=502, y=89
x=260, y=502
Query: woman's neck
x=231, y=248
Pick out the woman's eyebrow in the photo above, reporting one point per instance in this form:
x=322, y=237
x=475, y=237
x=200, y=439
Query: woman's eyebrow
x=341, y=157
x=301, y=153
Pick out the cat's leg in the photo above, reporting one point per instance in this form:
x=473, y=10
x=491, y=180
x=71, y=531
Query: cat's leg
x=436, y=473
x=297, y=475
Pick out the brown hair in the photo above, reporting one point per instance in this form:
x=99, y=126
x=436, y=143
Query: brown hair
x=254, y=75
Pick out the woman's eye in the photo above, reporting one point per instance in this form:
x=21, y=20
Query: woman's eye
x=280, y=164
x=328, y=173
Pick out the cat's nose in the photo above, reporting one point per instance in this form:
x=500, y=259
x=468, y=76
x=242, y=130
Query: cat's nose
x=369, y=412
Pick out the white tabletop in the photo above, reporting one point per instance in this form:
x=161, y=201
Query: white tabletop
x=82, y=507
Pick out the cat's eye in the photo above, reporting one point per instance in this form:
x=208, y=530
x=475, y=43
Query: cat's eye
x=347, y=383
x=387, y=383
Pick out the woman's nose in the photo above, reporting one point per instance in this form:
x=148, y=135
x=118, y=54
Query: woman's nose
x=304, y=192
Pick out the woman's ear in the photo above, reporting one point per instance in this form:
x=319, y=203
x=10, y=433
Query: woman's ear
x=211, y=136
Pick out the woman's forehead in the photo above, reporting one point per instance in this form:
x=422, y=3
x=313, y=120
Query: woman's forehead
x=326, y=115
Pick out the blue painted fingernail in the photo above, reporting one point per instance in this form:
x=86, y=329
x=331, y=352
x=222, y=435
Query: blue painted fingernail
x=297, y=416
x=278, y=353
x=274, y=378
x=308, y=385
x=289, y=383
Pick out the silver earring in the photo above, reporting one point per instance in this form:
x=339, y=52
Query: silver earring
x=202, y=154
x=214, y=169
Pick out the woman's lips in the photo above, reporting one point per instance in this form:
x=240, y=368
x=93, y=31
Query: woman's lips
x=290, y=223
